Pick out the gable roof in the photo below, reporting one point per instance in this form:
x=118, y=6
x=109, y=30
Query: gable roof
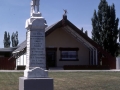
x=66, y=22
x=62, y=23
x=20, y=47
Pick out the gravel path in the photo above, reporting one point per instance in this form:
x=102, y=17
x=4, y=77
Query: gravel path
x=114, y=70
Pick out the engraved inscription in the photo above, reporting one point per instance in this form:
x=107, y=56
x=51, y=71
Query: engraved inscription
x=37, y=49
x=37, y=34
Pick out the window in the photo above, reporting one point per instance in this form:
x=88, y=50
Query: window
x=1, y=55
x=69, y=54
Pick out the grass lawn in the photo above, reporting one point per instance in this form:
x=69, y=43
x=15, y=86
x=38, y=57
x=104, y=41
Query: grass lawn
x=69, y=81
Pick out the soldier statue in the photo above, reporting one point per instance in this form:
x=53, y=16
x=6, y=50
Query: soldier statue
x=34, y=6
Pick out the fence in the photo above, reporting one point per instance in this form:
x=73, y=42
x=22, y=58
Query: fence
x=111, y=62
x=6, y=64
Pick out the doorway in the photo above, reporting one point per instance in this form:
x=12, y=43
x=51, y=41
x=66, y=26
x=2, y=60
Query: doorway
x=51, y=59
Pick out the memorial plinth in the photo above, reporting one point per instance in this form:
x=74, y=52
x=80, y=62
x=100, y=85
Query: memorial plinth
x=35, y=74
x=35, y=83
x=35, y=56
x=36, y=60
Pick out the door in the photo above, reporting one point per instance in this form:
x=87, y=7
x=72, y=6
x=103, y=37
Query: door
x=51, y=58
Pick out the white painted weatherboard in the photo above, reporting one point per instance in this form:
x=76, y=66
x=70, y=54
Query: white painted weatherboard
x=21, y=60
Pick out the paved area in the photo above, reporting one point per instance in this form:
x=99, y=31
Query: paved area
x=84, y=70
x=11, y=70
x=113, y=70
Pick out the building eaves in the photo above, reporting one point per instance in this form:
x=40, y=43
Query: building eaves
x=20, y=47
x=11, y=49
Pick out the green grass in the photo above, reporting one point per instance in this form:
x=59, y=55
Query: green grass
x=9, y=80
x=69, y=80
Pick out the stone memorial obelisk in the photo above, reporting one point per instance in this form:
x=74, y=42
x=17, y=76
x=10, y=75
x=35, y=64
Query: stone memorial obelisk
x=35, y=74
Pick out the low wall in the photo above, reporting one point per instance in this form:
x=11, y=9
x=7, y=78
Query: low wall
x=85, y=67
x=6, y=64
x=111, y=62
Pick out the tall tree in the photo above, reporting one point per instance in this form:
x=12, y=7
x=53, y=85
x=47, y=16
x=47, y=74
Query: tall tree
x=6, y=40
x=119, y=36
x=86, y=32
x=82, y=29
x=14, y=39
x=105, y=27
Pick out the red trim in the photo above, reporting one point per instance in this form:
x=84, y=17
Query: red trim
x=51, y=49
x=68, y=49
x=68, y=60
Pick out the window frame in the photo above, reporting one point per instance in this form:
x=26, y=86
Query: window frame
x=69, y=49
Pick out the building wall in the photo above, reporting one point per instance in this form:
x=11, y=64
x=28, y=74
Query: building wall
x=60, y=38
x=21, y=60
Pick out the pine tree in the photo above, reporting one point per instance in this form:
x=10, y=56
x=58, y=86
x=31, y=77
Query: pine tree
x=105, y=27
x=86, y=32
x=119, y=36
x=6, y=40
x=82, y=29
x=12, y=39
x=16, y=39
x=96, y=28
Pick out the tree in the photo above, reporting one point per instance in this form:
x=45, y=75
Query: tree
x=14, y=39
x=82, y=29
x=105, y=27
x=6, y=40
x=86, y=32
x=119, y=36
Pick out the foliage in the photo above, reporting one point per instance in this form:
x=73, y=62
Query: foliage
x=14, y=39
x=5, y=37
x=82, y=29
x=105, y=27
x=86, y=32
x=6, y=40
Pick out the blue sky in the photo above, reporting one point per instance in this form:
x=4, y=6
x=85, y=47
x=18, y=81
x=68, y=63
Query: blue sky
x=13, y=14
